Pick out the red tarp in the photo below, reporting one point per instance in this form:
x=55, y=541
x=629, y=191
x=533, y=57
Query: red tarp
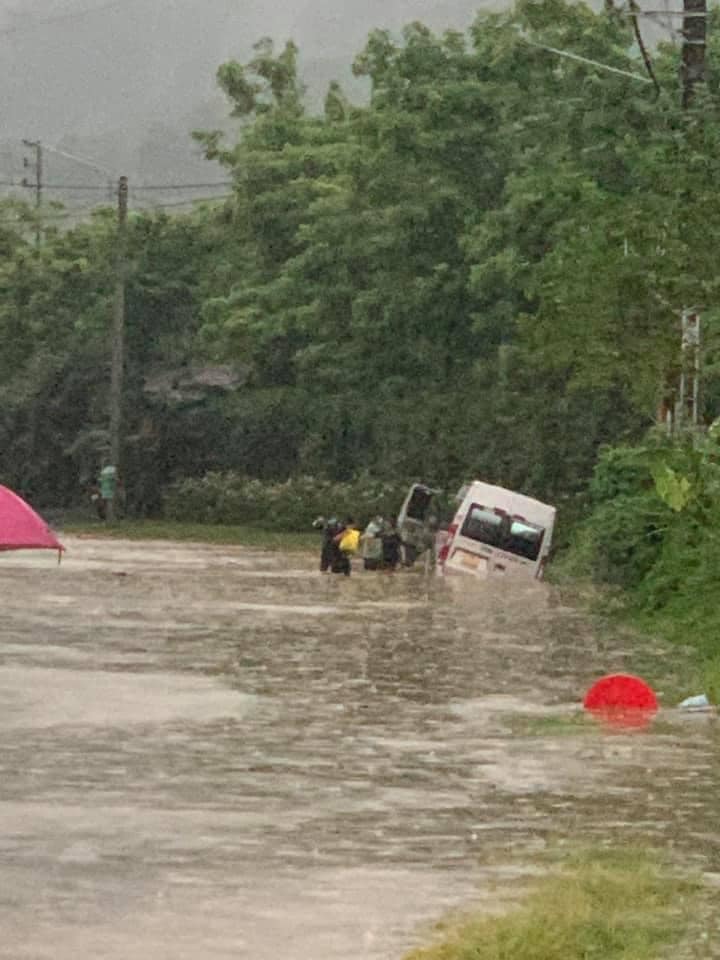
x=21, y=528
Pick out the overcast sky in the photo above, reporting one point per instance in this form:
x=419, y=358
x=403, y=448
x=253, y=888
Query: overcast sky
x=111, y=73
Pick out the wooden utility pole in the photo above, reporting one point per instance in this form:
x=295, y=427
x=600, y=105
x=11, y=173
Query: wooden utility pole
x=692, y=70
x=118, y=331
x=37, y=147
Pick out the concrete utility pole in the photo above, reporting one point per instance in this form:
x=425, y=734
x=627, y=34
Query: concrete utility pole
x=118, y=332
x=688, y=407
x=37, y=147
x=692, y=70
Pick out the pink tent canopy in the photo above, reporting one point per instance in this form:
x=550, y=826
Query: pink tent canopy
x=21, y=528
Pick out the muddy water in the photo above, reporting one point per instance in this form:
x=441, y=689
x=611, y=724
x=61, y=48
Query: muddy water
x=213, y=753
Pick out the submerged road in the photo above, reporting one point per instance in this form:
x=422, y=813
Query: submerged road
x=219, y=753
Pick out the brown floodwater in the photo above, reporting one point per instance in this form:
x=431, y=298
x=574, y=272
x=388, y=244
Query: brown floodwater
x=220, y=753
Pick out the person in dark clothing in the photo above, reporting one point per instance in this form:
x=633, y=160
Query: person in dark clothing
x=390, y=546
x=329, y=551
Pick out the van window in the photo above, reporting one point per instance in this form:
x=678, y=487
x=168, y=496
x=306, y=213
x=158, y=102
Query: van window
x=419, y=503
x=524, y=539
x=506, y=533
x=483, y=525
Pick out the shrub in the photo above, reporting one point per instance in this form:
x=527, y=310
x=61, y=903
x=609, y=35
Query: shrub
x=231, y=498
x=624, y=538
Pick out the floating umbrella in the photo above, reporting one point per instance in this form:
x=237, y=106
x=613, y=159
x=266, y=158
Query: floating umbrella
x=622, y=700
x=23, y=529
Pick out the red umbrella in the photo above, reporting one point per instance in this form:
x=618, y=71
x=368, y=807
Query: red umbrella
x=622, y=700
x=21, y=528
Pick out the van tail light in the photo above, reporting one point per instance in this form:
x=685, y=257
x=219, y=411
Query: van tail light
x=445, y=548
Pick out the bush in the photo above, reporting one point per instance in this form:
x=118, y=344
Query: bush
x=654, y=530
x=231, y=498
x=624, y=537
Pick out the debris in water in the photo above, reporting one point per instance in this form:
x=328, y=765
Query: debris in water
x=699, y=702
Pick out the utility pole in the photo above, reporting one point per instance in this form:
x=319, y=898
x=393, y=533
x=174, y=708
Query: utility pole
x=688, y=405
x=118, y=332
x=37, y=147
x=692, y=70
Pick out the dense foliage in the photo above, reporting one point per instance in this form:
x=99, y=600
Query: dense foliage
x=653, y=529
x=230, y=498
x=478, y=272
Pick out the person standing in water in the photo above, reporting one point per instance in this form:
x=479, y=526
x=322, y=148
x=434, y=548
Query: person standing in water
x=328, y=551
x=108, y=490
x=371, y=544
x=346, y=543
x=390, y=545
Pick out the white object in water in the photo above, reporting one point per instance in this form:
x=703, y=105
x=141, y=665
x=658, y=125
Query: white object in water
x=699, y=702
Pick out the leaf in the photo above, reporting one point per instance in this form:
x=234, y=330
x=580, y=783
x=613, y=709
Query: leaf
x=674, y=490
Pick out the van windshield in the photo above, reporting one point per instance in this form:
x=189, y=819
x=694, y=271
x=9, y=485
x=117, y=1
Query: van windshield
x=512, y=534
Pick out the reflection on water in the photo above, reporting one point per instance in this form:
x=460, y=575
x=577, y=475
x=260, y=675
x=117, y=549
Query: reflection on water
x=215, y=753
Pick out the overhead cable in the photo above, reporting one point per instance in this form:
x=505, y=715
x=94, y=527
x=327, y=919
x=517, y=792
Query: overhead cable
x=581, y=59
x=76, y=15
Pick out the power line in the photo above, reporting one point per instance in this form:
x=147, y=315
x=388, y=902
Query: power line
x=75, y=186
x=74, y=15
x=77, y=15
x=578, y=57
x=184, y=186
x=79, y=211
x=103, y=187
x=184, y=203
x=84, y=160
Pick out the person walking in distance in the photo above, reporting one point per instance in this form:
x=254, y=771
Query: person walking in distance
x=108, y=491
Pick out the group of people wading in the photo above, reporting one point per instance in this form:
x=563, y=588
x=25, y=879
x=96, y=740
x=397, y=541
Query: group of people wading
x=378, y=545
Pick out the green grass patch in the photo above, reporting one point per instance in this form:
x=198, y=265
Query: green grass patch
x=197, y=533
x=551, y=725
x=608, y=905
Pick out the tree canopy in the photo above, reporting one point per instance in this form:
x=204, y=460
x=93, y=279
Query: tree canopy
x=480, y=271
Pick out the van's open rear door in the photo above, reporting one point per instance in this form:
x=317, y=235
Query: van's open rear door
x=412, y=521
x=417, y=504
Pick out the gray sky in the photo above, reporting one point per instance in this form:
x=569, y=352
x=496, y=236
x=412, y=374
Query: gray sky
x=123, y=81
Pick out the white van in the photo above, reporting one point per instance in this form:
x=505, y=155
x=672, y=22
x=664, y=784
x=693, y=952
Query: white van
x=497, y=531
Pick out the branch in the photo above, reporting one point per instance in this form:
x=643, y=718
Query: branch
x=635, y=9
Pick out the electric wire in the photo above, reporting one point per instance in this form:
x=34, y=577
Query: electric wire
x=135, y=188
x=81, y=14
x=72, y=15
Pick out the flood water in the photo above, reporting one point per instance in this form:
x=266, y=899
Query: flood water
x=220, y=753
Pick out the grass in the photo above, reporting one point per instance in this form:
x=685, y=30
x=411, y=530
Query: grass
x=609, y=905
x=551, y=725
x=196, y=533
x=675, y=648
x=692, y=629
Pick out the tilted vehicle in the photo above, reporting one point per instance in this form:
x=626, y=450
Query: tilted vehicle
x=497, y=531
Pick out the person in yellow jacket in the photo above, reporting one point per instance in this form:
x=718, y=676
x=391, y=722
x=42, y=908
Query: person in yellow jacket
x=346, y=542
